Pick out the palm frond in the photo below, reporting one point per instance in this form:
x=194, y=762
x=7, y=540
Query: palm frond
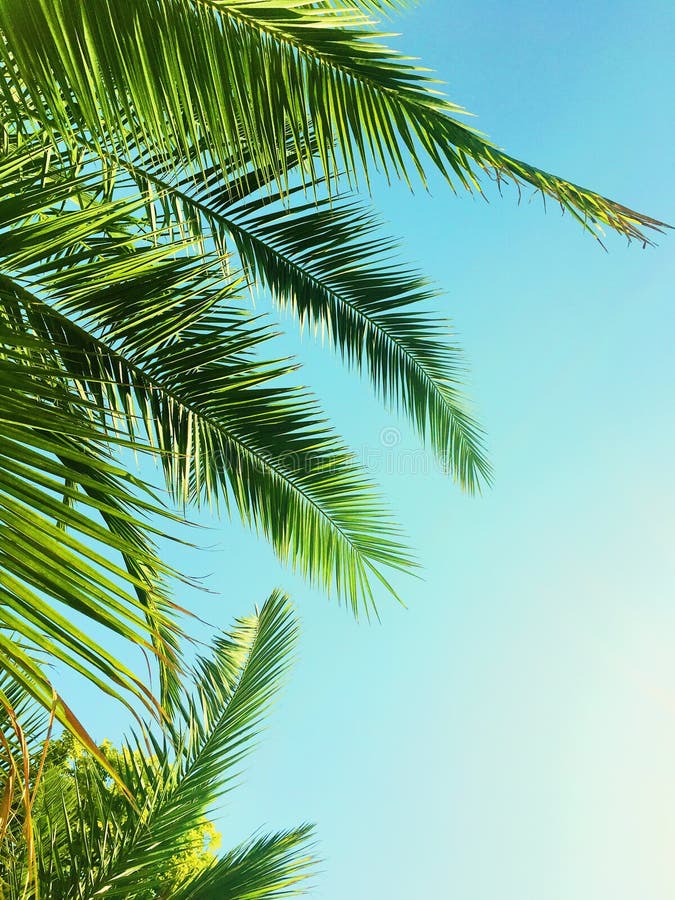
x=328, y=264
x=265, y=868
x=51, y=551
x=91, y=841
x=235, y=686
x=34, y=719
x=237, y=75
x=153, y=338
x=325, y=261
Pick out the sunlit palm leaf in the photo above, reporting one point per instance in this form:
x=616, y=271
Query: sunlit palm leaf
x=155, y=341
x=34, y=720
x=56, y=551
x=237, y=75
x=266, y=868
x=327, y=262
x=91, y=842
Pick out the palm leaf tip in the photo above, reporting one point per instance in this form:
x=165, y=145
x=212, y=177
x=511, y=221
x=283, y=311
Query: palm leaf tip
x=591, y=209
x=269, y=868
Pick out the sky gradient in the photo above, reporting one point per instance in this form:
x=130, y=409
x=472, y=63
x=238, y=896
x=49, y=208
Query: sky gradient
x=511, y=733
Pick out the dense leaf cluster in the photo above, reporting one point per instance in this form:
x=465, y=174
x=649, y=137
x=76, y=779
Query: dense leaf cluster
x=160, y=162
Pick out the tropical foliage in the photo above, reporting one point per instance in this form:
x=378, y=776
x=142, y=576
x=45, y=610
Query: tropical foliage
x=88, y=839
x=160, y=159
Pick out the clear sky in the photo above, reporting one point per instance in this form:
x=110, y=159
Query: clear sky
x=511, y=734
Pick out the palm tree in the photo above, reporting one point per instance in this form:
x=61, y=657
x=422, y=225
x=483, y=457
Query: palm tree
x=159, y=159
x=88, y=839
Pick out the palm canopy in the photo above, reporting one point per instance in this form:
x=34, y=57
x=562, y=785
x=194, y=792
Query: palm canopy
x=89, y=840
x=121, y=338
x=159, y=159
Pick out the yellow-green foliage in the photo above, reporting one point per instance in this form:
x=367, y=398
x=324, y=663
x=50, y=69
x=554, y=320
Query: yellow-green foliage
x=67, y=764
x=131, y=822
x=66, y=758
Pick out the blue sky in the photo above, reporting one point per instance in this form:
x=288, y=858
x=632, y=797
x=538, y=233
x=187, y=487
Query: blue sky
x=511, y=734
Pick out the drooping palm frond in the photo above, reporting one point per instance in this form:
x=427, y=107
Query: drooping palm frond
x=56, y=558
x=54, y=553
x=327, y=262
x=153, y=338
x=238, y=75
x=67, y=510
x=91, y=841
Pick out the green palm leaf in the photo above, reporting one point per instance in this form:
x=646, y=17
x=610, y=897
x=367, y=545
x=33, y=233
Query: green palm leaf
x=152, y=157
x=153, y=338
x=91, y=841
x=265, y=868
x=237, y=75
x=326, y=262
x=51, y=549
